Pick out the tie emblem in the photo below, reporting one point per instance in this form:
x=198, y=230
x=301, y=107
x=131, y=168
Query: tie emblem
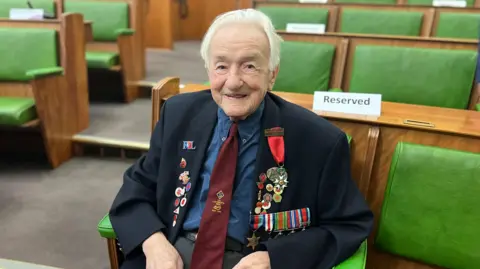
x=217, y=208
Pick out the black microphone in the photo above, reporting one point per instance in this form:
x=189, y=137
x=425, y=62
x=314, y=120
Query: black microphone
x=45, y=15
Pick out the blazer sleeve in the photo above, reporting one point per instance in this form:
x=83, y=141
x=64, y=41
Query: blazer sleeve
x=345, y=220
x=133, y=213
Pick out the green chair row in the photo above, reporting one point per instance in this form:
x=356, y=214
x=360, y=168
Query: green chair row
x=378, y=21
x=469, y=3
x=432, y=77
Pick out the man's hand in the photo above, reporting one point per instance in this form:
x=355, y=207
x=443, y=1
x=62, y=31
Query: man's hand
x=256, y=260
x=160, y=254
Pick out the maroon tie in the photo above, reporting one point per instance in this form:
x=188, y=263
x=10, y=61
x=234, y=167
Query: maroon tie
x=212, y=234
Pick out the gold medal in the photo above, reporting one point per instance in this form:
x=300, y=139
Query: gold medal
x=253, y=241
x=277, y=198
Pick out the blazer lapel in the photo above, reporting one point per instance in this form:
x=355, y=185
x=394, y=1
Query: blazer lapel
x=192, y=146
x=265, y=160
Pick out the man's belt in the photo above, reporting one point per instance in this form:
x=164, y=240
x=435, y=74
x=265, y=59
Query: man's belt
x=230, y=244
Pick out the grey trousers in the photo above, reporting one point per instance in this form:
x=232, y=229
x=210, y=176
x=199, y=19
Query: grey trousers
x=185, y=249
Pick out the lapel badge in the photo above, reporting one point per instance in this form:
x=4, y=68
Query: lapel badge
x=183, y=163
x=188, y=145
x=184, y=177
x=179, y=192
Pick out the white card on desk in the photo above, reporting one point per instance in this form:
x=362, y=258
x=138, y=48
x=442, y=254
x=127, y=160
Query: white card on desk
x=306, y=28
x=366, y=104
x=26, y=14
x=449, y=3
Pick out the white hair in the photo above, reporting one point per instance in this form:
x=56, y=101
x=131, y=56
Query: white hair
x=241, y=16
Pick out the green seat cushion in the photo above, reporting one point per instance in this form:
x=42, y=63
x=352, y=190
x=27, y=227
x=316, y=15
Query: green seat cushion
x=431, y=77
x=102, y=59
x=281, y=16
x=105, y=228
x=106, y=16
x=477, y=107
x=381, y=22
x=431, y=207
x=304, y=67
x=381, y=2
x=25, y=49
x=357, y=260
x=458, y=25
x=430, y=2
x=16, y=110
x=5, y=5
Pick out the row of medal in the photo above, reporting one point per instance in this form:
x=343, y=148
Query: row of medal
x=181, y=192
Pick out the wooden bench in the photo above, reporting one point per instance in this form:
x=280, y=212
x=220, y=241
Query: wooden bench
x=416, y=57
x=72, y=53
x=118, y=45
x=383, y=20
x=39, y=109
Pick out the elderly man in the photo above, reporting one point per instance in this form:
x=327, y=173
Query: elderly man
x=235, y=176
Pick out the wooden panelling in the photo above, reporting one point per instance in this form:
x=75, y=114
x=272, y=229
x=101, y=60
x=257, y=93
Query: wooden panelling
x=159, y=28
x=17, y=89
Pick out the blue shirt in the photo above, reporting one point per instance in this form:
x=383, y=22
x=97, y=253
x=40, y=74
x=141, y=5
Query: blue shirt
x=249, y=133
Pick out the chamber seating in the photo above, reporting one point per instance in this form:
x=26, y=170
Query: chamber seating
x=305, y=67
x=422, y=76
x=34, y=93
x=116, y=45
x=430, y=211
x=457, y=25
x=380, y=22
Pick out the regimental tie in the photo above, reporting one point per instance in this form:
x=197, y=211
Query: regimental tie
x=210, y=244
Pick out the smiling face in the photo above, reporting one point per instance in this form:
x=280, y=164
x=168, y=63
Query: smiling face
x=238, y=69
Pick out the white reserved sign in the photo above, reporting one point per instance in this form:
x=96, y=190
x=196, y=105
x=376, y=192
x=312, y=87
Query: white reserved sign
x=26, y=14
x=349, y=103
x=306, y=28
x=449, y=3
x=313, y=1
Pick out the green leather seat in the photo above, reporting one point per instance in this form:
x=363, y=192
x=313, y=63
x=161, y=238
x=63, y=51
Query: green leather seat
x=431, y=209
x=356, y=261
x=109, y=19
x=430, y=2
x=25, y=53
x=431, y=77
x=304, y=67
x=5, y=5
x=97, y=59
x=281, y=16
x=381, y=22
x=458, y=25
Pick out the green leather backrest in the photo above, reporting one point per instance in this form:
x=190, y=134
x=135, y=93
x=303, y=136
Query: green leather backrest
x=5, y=5
x=384, y=2
x=280, y=16
x=304, y=67
x=23, y=49
x=432, y=77
x=458, y=25
x=431, y=207
x=382, y=22
x=430, y=2
x=107, y=16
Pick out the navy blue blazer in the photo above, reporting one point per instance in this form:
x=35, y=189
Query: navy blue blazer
x=317, y=160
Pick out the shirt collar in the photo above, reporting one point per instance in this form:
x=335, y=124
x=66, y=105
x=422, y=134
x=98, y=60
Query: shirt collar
x=246, y=128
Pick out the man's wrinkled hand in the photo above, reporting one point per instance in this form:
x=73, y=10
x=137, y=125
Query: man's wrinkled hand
x=160, y=254
x=256, y=260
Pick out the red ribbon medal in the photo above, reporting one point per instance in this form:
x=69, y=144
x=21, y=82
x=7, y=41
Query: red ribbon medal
x=277, y=175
